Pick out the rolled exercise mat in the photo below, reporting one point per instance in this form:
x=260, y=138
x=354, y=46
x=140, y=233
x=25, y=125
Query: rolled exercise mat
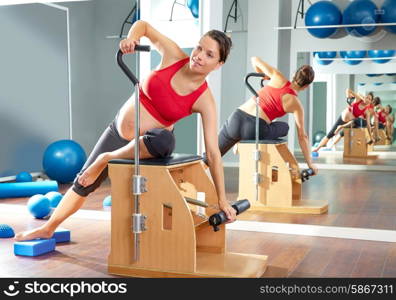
x=27, y=189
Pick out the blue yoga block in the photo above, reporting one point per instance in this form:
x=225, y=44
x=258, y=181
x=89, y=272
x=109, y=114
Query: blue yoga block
x=61, y=235
x=34, y=247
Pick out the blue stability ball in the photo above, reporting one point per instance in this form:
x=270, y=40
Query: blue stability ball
x=193, y=5
x=379, y=54
x=39, y=206
x=6, y=231
x=361, y=12
x=353, y=54
x=318, y=136
x=325, y=54
x=107, y=201
x=54, y=198
x=23, y=177
x=63, y=160
x=373, y=75
x=136, y=16
x=322, y=13
x=388, y=14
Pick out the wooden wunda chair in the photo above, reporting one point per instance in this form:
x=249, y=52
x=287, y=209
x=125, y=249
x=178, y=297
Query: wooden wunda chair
x=279, y=186
x=176, y=240
x=356, y=143
x=383, y=140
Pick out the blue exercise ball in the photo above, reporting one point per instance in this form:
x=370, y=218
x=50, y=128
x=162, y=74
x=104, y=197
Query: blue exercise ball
x=388, y=14
x=107, y=201
x=324, y=54
x=373, y=75
x=379, y=54
x=136, y=16
x=318, y=136
x=193, y=5
x=23, y=177
x=6, y=231
x=39, y=206
x=360, y=12
x=54, y=198
x=322, y=13
x=353, y=54
x=63, y=160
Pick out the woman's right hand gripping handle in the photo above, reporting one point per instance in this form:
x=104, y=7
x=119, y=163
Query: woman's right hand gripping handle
x=128, y=45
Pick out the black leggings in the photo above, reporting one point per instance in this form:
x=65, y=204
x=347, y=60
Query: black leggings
x=357, y=123
x=242, y=126
x=159, y=143
x=338, y=123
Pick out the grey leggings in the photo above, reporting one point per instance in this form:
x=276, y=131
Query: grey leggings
x=159, y=143
x=242, y=126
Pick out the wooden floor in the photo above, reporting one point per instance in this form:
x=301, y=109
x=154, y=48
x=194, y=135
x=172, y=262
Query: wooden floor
x=336, y=158
x=357, y=199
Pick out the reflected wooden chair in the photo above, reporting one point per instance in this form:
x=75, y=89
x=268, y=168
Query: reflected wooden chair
x=356, y=143
x=279, y=188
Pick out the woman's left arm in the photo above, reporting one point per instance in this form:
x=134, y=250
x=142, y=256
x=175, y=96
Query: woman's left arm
x=206, y=106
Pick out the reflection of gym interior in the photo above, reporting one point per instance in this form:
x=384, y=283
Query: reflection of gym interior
x=162, y=217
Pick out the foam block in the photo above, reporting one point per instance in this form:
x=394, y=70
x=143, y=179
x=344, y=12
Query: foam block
x=26, y=189
x=34, y=247
x=61, y=235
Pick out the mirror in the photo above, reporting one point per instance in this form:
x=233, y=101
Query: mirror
x=334, y=73
x=357, y=197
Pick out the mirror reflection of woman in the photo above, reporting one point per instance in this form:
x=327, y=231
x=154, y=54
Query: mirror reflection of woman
x=384, y=115
x=277, y=98
x=357, y=114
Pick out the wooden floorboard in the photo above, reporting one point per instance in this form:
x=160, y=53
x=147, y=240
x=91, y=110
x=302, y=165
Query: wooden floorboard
x=356, y=199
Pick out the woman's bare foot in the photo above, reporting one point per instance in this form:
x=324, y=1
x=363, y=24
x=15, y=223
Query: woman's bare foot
x=89, y=176
x=317, y=149
x=39, y=232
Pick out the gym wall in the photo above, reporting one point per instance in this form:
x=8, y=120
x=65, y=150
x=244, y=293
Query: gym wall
x=34, y=91
x=33, y=88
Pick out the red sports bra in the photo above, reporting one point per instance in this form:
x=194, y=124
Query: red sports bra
x=161, y=100
x=355, y=109
x=382, y=117
x=270, y=100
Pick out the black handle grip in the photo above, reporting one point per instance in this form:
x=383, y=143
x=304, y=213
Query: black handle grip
x=350, y=100
x=219, y=218
x=306, y=173
x=143, y=48
x=248, y=84
x=124, y=67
